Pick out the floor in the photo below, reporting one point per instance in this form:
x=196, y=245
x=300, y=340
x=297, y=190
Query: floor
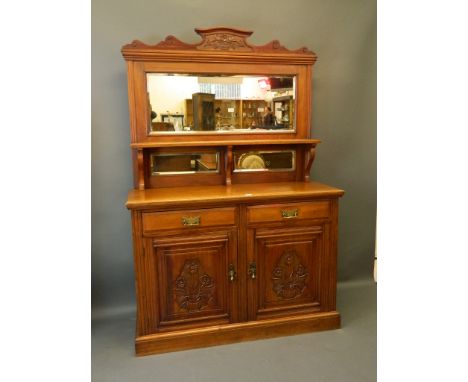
x=347, y=354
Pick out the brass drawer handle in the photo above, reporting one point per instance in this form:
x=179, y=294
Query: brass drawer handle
x=231, y=273
x=289, y=214
x=253, y=270
x=191, y=220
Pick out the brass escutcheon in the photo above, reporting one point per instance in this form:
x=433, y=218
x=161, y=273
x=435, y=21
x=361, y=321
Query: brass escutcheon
x=253, y=270
x=191, y=220
x=289, y=214
x=231, y=273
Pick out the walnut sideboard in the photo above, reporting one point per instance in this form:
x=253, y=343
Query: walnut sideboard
x=232, y=240
x=216, y=265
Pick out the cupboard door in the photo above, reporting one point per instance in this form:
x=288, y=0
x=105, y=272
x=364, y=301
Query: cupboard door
x=192, y=285
x=291, y=265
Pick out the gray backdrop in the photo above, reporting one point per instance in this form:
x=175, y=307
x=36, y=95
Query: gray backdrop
x=343, y=35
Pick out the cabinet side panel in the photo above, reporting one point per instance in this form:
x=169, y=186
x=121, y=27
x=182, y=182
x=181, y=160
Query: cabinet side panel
x=138, y=256
x=333, y=254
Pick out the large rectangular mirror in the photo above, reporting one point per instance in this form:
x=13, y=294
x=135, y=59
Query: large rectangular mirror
x=194, y=104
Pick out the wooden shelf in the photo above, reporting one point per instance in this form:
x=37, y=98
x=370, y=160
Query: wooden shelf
x=310, y=142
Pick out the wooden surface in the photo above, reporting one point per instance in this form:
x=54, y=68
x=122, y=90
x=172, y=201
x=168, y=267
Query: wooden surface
x=226, y=175
x=180, y=196
x=192, y=285
x=238, y=332
x=221, y=51
x=217, y=43
x=290, y=263
x=300, y=211
x=219, y=143
x=183, y=273
x=195, y=179
x=230, y=256
x=153, y=221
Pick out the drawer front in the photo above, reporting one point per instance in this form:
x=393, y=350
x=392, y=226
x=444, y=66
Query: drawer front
x=291, y=211
x=154, y=221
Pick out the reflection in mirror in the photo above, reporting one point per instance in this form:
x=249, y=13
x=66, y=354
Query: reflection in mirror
x=190, y=103
x=184, y=163
x=284, y=160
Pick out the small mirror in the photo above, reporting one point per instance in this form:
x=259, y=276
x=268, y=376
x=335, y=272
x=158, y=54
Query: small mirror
x=184, y=163
x=191, y=103
x=282, y=160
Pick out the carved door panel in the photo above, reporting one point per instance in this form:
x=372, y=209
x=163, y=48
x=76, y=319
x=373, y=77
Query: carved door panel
x=193, y=287
x=291, y=270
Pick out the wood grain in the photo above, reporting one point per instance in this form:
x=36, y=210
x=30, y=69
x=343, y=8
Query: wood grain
x=211, y=195
x=193, y=279
x=310, y=160
x=223, y=50
x=231, y=142
x=217, y=43
x=154, y=221
x=141, y=169
x=245, y=331
x=289, y=271
x=273, y=212
x=228, y=256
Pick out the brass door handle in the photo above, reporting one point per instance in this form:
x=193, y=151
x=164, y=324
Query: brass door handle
x=190, y=220
x=231, y=273
x=253, y=270
x=289, y=214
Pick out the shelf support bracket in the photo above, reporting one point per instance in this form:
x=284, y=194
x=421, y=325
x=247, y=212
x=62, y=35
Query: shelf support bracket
x=310, y=160
x=141, y=170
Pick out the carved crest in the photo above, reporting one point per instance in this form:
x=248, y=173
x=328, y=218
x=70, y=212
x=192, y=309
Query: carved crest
x=217, y=39
x=224, y=39
x=289, y=276
x=193, y=288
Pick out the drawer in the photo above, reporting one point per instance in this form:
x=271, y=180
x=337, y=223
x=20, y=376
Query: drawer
x=291, y=211
x=154, y=221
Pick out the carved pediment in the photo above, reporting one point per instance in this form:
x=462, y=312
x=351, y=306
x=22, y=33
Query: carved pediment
x=224, y=39
x=217, y=39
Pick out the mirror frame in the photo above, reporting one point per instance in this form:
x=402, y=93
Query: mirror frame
x=222, y=51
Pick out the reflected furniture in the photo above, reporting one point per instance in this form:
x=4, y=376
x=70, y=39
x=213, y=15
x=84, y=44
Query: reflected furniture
x=203, y=111
x=162, y=126
x=232, y=241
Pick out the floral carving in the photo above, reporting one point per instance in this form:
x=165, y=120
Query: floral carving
x=193, y=288
x=289, y=276
x=224, y=41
